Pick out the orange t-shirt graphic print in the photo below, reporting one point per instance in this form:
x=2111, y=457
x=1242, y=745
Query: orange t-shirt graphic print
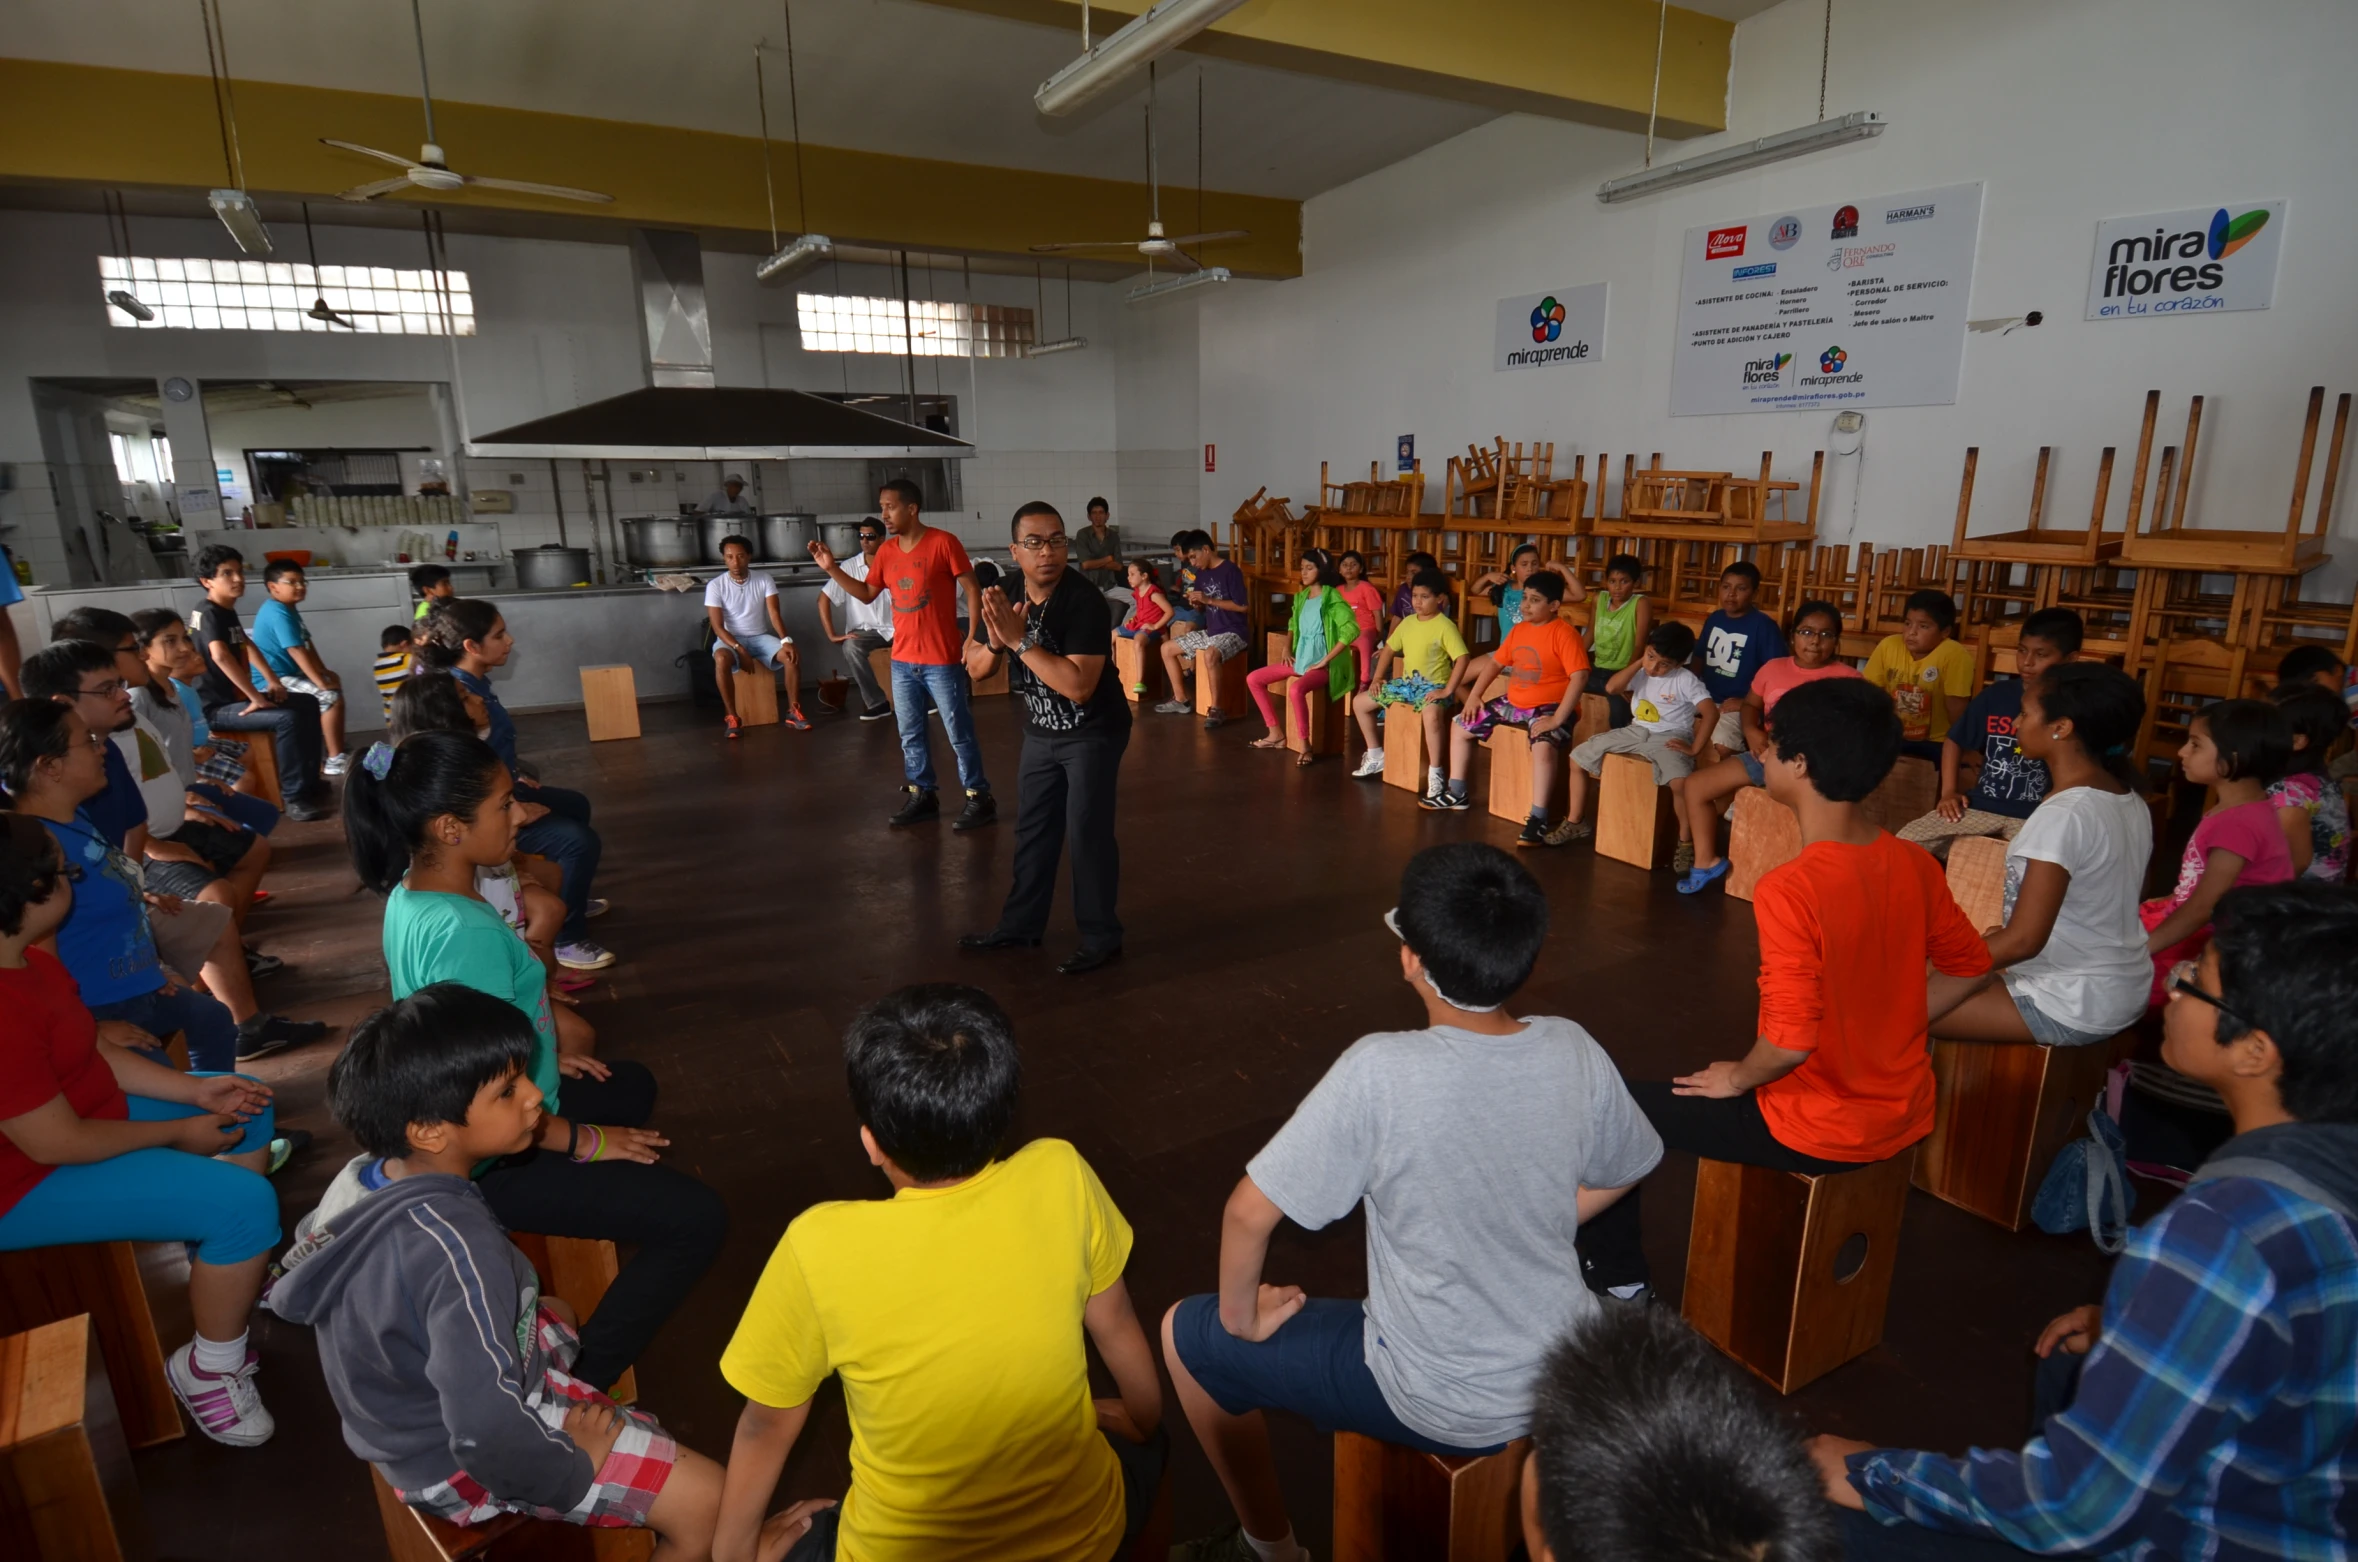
x=924, y=584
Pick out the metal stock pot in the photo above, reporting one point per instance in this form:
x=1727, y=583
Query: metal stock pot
x=661, y=541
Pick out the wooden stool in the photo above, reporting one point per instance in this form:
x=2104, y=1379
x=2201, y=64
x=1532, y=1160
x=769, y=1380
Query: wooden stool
x=1395, y=1504
x=411, y=1536
x=1595, y=719
x=67, y=1489
x=757, y=697
x=1139, y=672
x=610, y=701
x=1636, y=823
x=1326, y=720
x=1510, y=772
x=1908, y=793
x=40, y=1285
x=1404, y=748
x=261, y=756
x=576, y=1271
x=2003, y=1110
x=1790, y=1274
x=1762, y=834
x=1220, y=685
x=880, y=668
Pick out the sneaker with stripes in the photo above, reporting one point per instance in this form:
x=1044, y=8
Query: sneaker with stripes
x=225, y=1406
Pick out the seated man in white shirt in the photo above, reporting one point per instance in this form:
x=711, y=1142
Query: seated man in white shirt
x=748, y=633
x=867, y=626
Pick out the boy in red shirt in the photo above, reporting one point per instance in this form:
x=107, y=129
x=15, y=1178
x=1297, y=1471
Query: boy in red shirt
x=1840, y=1074
x=1546, y=667
x=925, y=568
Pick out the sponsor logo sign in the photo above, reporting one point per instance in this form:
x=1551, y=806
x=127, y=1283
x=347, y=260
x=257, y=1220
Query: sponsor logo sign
x=2203, y=260
x=1909, y=213
x=1550, y=330
x=1766, y=268
x=1784, y=233
x=1846, y=223
x=1723, y=243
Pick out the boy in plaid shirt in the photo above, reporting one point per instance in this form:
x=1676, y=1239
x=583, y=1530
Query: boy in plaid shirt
x=2206, y=1408
x=446, y=1363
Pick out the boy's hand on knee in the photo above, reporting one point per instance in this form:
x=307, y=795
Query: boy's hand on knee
x=580, y=1065
x=634, y=1144
x=594, y=1427
x=2076, y=1332
x=1114, y=1416
x=1951, y=806
x=207, y=1133
x=1273, y=1307
x=780, y=1531
x=1831, y=1454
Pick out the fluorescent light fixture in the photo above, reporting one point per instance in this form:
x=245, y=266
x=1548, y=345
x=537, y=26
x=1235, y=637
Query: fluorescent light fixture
x=1164, y=26
x=1744, y=154
x=238, y=214
x=129, y=304
x=1170, y=285
x=1069, y=344
x=795, y=258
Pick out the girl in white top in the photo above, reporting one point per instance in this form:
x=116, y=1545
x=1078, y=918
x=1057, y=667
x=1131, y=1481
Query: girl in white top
x=2070, y=967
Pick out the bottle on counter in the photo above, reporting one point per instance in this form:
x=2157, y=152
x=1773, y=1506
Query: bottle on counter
x=450, y=548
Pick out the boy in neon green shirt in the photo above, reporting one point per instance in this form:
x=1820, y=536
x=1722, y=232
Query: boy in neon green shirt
x=1432, y=656
x=1928, y=675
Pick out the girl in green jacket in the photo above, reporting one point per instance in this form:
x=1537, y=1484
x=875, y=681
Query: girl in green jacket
x=1321, y=635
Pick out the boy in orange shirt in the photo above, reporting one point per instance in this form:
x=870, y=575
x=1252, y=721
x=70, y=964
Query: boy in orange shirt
x=1840, y=1074
x=1546, y=667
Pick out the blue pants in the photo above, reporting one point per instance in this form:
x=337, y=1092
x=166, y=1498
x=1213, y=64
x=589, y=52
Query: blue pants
x=294, y=732
x=252, y=812
x=918, y=687
x=155, y=1195
x=212, y=1034
x=566, y=839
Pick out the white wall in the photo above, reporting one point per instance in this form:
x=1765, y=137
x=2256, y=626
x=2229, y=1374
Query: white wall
x=2068, y=113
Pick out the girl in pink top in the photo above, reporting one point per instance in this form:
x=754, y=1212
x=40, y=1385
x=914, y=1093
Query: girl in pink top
x=2236, y=747
x=1150, y=614
x=1367, y=605
x=1815, y=636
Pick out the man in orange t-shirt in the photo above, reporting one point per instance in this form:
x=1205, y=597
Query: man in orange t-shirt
x=924, y=568
x=1546, y=667
x=1840, y=1074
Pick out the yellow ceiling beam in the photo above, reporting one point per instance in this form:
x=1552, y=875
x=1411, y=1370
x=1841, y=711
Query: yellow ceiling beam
x=1585, y=60
x=92, y=125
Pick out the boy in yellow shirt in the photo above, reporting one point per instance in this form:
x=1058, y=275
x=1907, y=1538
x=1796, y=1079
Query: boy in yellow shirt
x=954, y=1312
x=1432, y=657
x=1928, y=675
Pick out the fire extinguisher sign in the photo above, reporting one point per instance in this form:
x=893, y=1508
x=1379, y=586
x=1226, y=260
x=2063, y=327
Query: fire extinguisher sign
x=1211, y=458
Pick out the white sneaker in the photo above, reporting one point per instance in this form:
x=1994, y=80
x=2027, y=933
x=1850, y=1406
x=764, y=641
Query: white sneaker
x=226, y=1407
x=336, y=765
x=1370, y=765
x=581, y=955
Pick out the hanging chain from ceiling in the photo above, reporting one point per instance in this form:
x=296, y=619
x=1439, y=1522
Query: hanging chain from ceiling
x=224, y=103
x=769, y=194
x=1661, y=27
x=1825, y=57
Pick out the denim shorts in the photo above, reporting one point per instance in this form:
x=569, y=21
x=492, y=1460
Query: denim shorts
x=1752, y=771
x=2045, y=1029
x=1315, y=1365
x=763, y=647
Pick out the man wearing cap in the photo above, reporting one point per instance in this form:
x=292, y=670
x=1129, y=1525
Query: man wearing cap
x=729, y=498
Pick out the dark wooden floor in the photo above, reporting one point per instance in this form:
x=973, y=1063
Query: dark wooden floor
x=759, y=900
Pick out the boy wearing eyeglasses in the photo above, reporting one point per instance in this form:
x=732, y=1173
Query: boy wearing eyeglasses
x=2206, y=1406
x=867, y=626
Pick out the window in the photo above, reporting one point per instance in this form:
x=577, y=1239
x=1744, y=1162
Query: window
x=275, y=295
x=122, y=444
x=934, y=328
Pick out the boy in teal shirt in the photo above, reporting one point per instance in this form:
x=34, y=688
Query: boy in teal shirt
x=285, y=643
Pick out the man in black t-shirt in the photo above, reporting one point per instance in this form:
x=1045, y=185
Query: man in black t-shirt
x=1076, y=724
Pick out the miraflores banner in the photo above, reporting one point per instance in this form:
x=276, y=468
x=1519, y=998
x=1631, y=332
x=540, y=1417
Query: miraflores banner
x=2203, y=260
x=1857, y=304
x=1551, y=330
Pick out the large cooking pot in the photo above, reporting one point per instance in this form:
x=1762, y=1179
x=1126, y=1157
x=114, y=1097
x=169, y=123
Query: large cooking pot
x=551, y=568
x=786, y=539
x=842, y=538
x=712, y=528
x=661, y=541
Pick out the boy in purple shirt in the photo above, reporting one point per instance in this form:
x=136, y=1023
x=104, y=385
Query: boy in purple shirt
x=1219, y=595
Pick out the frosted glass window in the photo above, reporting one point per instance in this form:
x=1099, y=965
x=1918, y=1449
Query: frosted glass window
x=254, y=295
x=930, y=328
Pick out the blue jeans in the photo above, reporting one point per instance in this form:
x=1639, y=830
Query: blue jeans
x=212, y=1034
x=155, y=1195
x=918, y=687
x=294, y=732
x=566, y=839
x=252, y=812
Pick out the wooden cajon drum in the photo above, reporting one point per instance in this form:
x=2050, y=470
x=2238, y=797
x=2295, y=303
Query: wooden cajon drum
x=1327, y=720
x=1395, y=1504
x=1762, y=834
x=1219, y=685
x=757, y=696
x=880, y=668
x=40, y=1285
x=1138, y=671
x=1595, y=719
x=1510, y=772
x=1404, y=748
x=576, y=1271
x=411, y=1536
x=1788, y=1274
x=67, y=1489
x=1908, y=793
x=610, y=701
x=261, y=757
x=1636, y=823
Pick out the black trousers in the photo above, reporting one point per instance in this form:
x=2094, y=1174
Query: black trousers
x=1065, y=790
x=677, y=1223
x=1732, y=1129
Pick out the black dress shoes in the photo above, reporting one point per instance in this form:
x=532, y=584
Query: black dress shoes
x=1086, y=960
x=997, y=940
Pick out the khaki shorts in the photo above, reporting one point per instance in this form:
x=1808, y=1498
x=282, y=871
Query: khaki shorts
x=1729, y=733
x=1644, y=743
x=1931, y=828
x=185, y=938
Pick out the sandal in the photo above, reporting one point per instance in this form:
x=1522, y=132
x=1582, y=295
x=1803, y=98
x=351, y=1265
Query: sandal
x=1304, y=758
x=1273, y=740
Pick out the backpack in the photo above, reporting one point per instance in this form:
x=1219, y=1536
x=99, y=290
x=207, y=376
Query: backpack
x=2085, y=1190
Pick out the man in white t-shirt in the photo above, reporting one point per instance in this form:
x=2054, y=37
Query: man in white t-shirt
x=867, y=626
x=1669, y=707
x=748, y=633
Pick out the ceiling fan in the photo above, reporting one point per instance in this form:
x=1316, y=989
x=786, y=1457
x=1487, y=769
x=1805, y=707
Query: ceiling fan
x=429, y=170
x=319, y=309
x=1157, y=245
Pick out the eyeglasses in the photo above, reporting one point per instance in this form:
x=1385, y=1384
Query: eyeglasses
x=2182, y=982
x=105, y=691
x=1056, y=543
x=868, y=537
x=1817, y=634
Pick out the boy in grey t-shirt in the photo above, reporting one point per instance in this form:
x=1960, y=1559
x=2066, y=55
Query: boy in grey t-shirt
x=1479, y=1145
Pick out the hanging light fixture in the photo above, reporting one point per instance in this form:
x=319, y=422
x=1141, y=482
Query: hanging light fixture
x=233, y=206
x=1067, y=343
x=122, y=297
x=1163, y=27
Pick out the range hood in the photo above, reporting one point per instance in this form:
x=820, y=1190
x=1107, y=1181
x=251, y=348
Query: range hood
x=681, y=415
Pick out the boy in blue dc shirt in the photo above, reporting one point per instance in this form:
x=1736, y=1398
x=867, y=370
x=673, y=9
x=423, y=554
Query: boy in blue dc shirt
x=1737, y=640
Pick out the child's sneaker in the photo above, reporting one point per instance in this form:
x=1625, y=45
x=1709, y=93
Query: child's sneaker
x=335, y=764
x=1566, y=833
x=1371, y=766
x=798, y=721
x=1174, y=708
x=226, y=1407
x=582, y=955
x=734, y=727
x=596, y=906
x=1534, y=832
x=1445, y=801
